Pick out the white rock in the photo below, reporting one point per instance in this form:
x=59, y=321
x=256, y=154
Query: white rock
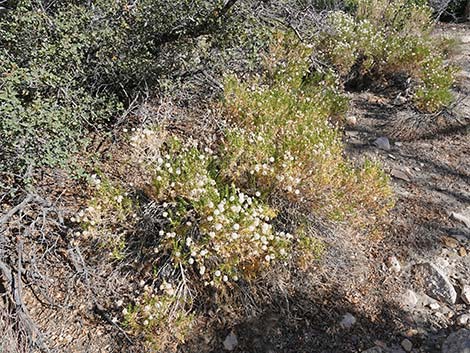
x=463, y=216
x=348, y=321
x=383, y=143
x=230, y=342
x=407, y=345
x=463, y=320
x=465, y=295
x=351, y=120
x=409, y=299
x=435, y=282
x=434, y=306
x=393, y=264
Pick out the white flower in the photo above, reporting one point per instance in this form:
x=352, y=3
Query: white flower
x=225, y=278
x=267, y=257
x=235, y=208
x=119, y=303
x=218, y=226
x=124, y=311
x=257, y=194
x=236, y=226
x=271, y=159
x=210, y=218
x=191, y=261
x=265, y=228
x=161, y=232
x=146, y=322
x=212, y=234
x=217, y=273
x=202, y=270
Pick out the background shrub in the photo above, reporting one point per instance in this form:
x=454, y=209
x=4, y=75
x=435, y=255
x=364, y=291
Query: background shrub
x=381, y=39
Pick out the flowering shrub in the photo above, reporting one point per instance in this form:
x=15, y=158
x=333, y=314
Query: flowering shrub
x=206, y=233
x=384, y=38
x=212, y=229
x=286, y=141
x=109, y=216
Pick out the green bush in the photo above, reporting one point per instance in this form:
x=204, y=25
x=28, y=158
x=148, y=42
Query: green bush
x=382, y=39
x=285, y=138
x=68, y=67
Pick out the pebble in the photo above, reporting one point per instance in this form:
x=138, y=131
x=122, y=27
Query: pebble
x=348, y=321
x=407, y=345
x=462, y=251
x=465, y=294
x=450, y=242
x=383, y=143
x=393, y=264
x=351, y=120
x=400, y=174
x=434, y=306
x=409, y=299
x=230, y=342
x=463, y=320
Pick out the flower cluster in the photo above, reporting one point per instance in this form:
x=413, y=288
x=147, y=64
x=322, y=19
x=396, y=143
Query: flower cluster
x=212, y=229
x=284, y=139
x=109, y=216
x=383, y=38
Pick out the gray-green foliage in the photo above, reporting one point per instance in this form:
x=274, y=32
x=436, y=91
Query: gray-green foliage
x=68, y=66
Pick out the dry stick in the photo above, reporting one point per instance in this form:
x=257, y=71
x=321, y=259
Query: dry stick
x=17, y=208
x=20, y=309
x=98, y=308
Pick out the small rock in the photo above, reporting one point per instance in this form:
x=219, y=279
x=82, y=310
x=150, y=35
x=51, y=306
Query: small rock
x=348, y=321
x=465, y=295
x=383, y=143
x=407, y=345
x=450, y=242
x=230, y=342
x=400, y=174
x=436, y=284
x=351, y=120
x=411, y=332
x=462, y=251
x=463, y=216
x=434, y=306
x=457, y=342
x=463, y=320
x=409, y=299
x=393, y=264
x=398, y=144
